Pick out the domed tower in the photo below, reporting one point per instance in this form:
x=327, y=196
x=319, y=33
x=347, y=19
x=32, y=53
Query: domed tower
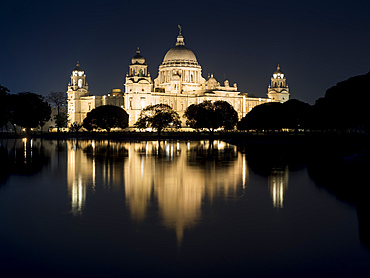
x=77, y=88
x=138, y=87
x=180, y=71
x=138, y=67
x=278, y=90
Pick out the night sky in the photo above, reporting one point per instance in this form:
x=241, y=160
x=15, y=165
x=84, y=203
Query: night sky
x=316, y=43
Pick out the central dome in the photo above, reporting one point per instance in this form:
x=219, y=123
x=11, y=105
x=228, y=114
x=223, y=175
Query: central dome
x=180, y=54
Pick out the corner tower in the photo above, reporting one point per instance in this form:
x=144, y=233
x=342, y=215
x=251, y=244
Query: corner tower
x=77, y=88
x=138, y=87
x=278, y=90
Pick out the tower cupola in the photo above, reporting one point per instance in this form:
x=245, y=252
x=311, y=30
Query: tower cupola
x=138, y=68
x=78, y=78
x=138, y=59
x=278, y=90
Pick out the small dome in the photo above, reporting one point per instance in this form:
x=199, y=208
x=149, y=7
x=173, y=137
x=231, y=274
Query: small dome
x=116, y=92
x=138, y=59
x=278, y=70
x=211, y=80
x=77, y=68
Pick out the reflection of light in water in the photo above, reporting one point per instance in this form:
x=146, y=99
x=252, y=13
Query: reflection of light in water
x=142, y=167
x=94, y=172
x=78, y=196
x=179, y=187
x=179, y=178
x=278, y=183
x=31, y=143
x=25, y=149
x=244, y=171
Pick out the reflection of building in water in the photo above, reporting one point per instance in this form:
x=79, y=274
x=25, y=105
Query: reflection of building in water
x=83, y=171
x=176, y=175
x=79, y=173
x=278, y=183
x=166, y=169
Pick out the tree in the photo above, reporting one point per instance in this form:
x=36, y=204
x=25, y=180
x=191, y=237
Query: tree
x=344, y=105
x=75, y=127
x=106, y=117
x=296, y=114
x=4, y=106
x=29, y=110
x=158, y=116
x=211, y=115
x=226, y=114
x=266, y=116
x=58, y=100
x=292, y=114
x=61, y=120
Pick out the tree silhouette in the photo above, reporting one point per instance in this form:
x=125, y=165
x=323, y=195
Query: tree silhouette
x=75, y=127
x=292, y=114
x=106, y=117
x=158, y=116
x=29, y=110
x=4, y=106
x=211, y=115
x=226, y=115
x=344, y=105
x=265, y=116
x=58, y=100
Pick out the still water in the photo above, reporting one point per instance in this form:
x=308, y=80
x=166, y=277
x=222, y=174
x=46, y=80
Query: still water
x=92, y=208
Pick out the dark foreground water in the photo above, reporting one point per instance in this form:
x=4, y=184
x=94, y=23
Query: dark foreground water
x=170, y=209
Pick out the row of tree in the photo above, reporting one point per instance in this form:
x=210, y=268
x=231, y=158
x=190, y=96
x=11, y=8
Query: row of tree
x=206, y=115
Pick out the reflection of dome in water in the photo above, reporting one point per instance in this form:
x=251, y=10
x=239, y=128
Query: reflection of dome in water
x=180, y=54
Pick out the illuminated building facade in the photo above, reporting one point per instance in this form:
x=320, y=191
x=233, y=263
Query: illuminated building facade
x=79, y=100
x=278, y=90
x=179, y=84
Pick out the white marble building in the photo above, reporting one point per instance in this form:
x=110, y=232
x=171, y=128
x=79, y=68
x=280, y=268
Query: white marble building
x=179, y=84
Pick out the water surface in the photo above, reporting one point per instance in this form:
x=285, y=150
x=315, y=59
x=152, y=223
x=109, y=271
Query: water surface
x=169, y=208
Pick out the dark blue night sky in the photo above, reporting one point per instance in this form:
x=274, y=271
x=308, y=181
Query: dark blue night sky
x=316, y=43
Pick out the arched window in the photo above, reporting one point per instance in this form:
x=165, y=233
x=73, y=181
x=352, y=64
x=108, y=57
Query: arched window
x=79, y=83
